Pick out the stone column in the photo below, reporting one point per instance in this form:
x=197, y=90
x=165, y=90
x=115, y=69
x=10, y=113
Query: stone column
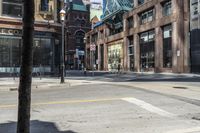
x=55, y=11
x=136, y=43
x=125, y=47
x=125, y=53
x=137, y=52
x=158, y=11
x=158, y=49
x=187, y=38
x=105, y=57
x=174, y=46
x=90, y=54
x=99, y=56
x=158, y=40
x=1, y=7
x=136, y=20
x=135, y=2
x=178, y=38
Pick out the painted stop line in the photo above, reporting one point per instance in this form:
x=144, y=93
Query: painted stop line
x=149, y=107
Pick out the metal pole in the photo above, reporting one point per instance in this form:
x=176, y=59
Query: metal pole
x=40, y=71
x=93, y=63
x=198, y=14
x=62, y=80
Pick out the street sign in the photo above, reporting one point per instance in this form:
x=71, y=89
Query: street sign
x=76, y=55
x=92, y=47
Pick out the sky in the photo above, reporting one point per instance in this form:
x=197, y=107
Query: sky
x=96, y=1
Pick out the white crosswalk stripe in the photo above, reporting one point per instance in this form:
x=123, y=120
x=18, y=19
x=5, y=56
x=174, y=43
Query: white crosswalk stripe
x=189, y=130
x=149, y=107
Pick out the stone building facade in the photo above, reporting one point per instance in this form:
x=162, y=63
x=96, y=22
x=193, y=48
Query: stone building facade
x=46, y=40
x=152, y=36
x=77, y=24
x=194, y=35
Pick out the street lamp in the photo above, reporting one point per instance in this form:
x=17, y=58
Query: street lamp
x=62, y=18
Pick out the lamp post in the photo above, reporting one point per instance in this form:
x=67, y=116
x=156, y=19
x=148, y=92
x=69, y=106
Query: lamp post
x=62, y=18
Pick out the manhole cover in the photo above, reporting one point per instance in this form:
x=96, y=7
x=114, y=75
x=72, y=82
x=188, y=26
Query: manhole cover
x=13, y=89
x=180, y=87
x=196, y=118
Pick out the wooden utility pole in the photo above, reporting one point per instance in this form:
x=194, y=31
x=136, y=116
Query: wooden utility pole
x=24, y=97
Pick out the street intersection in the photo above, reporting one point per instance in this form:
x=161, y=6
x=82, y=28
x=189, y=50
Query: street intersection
x=107, y=103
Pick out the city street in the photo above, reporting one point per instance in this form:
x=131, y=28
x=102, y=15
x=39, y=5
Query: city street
x=107, y=103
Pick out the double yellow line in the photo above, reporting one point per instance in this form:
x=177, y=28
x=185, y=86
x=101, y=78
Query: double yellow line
x=62, y=102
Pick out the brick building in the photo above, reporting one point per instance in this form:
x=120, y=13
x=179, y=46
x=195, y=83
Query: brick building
x=77, y=24
x=46, y=39
x=142, y=35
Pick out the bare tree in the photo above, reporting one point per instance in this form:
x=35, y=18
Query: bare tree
x=24, y=103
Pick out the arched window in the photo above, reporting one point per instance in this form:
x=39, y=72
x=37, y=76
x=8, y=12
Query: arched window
x=80, y=40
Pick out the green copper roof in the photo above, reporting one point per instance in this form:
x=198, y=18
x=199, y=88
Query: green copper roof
x=115, y=6
x=79, y=7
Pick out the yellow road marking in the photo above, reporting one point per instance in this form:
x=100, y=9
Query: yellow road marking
x=63, y=102
x=8, y=106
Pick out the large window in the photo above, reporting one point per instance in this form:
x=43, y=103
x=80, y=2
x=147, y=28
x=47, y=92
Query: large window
x=44, y=5
x=12, y=8
x=147, y=16
x=94, y=38
x=147, y=49
x=167, y=8
x=167, y=46
x=130, y=22
x=79, y=40
x=115, y=55
x=9, y=52
x=42, y=52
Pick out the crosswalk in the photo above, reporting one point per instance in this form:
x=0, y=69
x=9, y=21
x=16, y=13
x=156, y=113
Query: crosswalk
x=149, y=107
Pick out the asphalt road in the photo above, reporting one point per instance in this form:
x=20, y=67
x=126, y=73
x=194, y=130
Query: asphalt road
x=104, y=108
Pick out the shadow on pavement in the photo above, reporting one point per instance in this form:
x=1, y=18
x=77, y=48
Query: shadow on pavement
x=136, y=78
x=36, y=127
x=167, y=80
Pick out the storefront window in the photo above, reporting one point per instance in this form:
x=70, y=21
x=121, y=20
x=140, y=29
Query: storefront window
x=10, y=51
x=42, y=52
x=12, y=8
x=147, y=49
x=167, y=46
x=10, y=54
x=115, y=56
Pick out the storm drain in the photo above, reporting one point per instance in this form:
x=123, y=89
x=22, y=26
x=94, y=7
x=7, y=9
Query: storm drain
x=196, y=118
x=13, y=89
x=180, y=87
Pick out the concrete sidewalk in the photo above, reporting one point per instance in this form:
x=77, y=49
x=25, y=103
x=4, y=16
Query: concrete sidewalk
x=78, y=78
x=11, y=84
x=45, y=83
